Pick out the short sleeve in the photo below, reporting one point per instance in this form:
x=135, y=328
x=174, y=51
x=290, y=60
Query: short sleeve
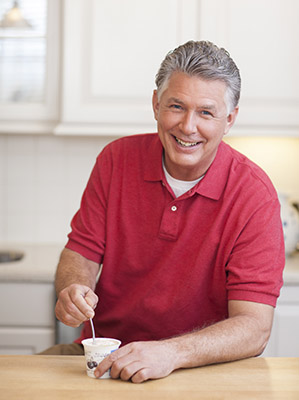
x=87, y=236
x=255, y=267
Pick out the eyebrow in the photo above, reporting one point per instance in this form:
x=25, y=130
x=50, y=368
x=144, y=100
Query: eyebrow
x=175, y=100
x=210, y=107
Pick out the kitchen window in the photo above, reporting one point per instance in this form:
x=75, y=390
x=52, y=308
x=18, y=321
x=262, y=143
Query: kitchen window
x=29, y=65
x=23, y=53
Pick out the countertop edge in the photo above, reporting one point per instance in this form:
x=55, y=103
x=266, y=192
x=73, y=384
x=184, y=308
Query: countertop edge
x=41, y=259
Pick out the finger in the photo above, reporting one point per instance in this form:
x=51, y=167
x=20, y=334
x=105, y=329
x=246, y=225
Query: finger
x=71, y=307
x=108, y=361
x=78, y=298
x=105, y=365
x=126, y=370
x=129, y=371
x=68, y=313
x=91, y=299
x=125, y=367
x=142, y=375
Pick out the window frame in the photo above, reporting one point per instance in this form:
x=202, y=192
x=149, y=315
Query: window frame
x=40, y=117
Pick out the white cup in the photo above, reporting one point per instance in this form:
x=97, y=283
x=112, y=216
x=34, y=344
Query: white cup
x=97, y=351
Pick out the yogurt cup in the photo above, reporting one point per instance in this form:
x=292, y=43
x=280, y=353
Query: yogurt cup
x=96, y=351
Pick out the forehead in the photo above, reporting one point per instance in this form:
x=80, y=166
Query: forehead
x=194, y=86
x=195, y=91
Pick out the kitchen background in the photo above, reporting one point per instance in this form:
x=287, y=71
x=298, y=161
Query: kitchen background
x=81, y=73
x=42, y=178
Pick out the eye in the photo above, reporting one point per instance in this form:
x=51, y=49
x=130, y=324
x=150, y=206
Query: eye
x=176, y=106
x=206, y=113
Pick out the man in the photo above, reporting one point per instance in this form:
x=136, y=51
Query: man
x=188, y=231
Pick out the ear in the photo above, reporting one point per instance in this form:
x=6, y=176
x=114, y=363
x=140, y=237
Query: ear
x=230, y=119
x=155, y=104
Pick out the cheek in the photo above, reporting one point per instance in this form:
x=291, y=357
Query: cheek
x=211, y=131
x=168, y=121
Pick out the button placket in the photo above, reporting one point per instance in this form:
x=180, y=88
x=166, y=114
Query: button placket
x=170, y=222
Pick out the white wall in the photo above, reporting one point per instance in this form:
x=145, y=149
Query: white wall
x=41, y=182
x=278, y=156
x=42, y=179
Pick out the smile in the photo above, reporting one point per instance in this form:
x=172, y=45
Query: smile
x=185, y=144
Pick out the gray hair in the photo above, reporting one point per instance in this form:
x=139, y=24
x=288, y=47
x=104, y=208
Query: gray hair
x=206, y=61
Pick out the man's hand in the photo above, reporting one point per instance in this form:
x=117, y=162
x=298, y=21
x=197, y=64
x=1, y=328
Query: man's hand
x=75, y=304
x=244, y=334
x=140, y=361
x=75, y=281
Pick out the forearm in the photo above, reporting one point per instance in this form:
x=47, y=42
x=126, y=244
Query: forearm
x=75, y=283
x=244, y=334
x=232, y=339
x=75, y=269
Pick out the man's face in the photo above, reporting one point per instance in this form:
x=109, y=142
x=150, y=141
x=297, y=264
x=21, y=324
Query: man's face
x=192, y=119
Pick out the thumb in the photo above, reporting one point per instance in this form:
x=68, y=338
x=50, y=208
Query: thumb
x=91, y=299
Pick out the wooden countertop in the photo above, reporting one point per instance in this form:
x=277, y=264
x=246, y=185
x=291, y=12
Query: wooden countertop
x=64, y=377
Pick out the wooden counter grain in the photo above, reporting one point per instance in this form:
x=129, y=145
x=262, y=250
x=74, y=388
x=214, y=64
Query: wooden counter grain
x=64, y=377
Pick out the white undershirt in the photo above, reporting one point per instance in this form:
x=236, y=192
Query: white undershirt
x=179, y=187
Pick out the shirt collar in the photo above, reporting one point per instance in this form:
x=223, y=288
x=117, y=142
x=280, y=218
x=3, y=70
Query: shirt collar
x=214, y=181
x=153, y=170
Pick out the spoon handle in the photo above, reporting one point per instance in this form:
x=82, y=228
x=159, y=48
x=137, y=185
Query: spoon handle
x=93, y=332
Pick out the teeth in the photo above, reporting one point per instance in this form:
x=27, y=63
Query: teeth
x=186, y=144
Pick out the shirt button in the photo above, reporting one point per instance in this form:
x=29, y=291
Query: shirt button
x=173, y=208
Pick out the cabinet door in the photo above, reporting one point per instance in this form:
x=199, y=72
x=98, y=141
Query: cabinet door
x=112, y=51
x=263, y=38
x=27, y=304
x=25, y=340
x=287, y=331
x=284, y=341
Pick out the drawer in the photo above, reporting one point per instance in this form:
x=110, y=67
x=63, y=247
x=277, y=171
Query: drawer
x=25, y=340
x=289, y=294
x=27, y=304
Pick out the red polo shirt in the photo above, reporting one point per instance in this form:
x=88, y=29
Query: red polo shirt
x=170, y=265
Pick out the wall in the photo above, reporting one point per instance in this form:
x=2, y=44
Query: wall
x=41, y=182
x=42, y=179
x=278, y=156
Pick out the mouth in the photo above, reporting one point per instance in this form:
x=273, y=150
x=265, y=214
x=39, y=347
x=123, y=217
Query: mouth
x=185, y=144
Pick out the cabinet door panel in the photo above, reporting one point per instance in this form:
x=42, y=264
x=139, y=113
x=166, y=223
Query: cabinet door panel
x=112, y=51
x=287, y=331
x=284, y=340
x=25, y=340
x=263, y=38
x=27, y=304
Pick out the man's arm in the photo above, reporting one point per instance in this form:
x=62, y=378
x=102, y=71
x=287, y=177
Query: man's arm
x=75, y=283
x=244, y=334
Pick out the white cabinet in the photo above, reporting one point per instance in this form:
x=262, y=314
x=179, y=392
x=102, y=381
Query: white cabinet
x=284, y=341
x=263, y=38
x=112, y=51
x=27, y=320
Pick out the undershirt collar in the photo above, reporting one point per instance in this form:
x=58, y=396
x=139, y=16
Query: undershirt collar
x=216, y=176
x=179, y=187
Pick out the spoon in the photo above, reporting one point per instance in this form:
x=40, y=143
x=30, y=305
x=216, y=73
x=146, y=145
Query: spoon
x=93, y=332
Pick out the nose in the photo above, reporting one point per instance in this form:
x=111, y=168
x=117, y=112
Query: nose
x=188, y=124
